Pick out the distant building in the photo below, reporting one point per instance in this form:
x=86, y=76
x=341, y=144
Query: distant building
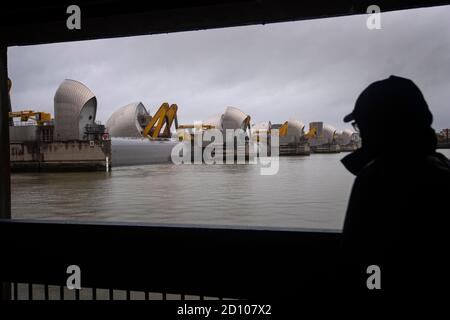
x=295, y=132
x=324, y=138
x=443, y=138
x=293, y=140
x=444, y=135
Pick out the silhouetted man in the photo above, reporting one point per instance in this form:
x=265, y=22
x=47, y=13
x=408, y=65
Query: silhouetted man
x=398, y=208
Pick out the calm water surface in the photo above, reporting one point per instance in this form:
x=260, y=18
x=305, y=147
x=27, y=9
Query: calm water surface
x=307, y=192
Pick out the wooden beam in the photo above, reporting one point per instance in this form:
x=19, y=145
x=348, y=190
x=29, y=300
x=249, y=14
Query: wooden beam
x=229, y=262
x=5, y=179
x=5, y=107
x=38, y=24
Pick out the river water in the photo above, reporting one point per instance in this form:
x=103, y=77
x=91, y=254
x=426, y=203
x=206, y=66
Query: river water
x=307, y=192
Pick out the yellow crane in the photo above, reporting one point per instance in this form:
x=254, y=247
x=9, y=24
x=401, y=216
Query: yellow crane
x=25, y=115
x=163, y=118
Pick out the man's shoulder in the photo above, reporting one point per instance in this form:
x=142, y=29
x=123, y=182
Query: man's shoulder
x=436, y=164
x=439, y=162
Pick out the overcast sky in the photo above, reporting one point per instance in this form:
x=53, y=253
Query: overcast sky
x=310, y=70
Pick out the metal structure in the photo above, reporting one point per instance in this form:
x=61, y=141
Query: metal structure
x=349, y=136
x=292, y=131
x=134, y=121
x=324, y=133
x=328, y=134
x=234, y=118
x=160, y=124
x=128, y=121
x=323, y=138
x=233, y=143
x=75, y=108
x=140, y=151
x=293, y=139
x=131, y=127
x=348, y=140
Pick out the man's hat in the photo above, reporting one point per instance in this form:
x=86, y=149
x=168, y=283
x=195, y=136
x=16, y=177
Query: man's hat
x=394, y=98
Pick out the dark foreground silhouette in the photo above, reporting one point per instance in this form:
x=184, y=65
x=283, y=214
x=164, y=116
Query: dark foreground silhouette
x=400, y=202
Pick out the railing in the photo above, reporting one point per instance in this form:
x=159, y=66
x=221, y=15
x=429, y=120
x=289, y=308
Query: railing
x=161, y=261
x=34, y=291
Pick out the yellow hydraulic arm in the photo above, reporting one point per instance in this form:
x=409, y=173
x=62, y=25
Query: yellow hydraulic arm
x=166, y=115
x=282, y=132
x=311, y=133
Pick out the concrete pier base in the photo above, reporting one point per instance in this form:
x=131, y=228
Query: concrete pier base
x=60, y=156
x=295, y=149
x=326, y=148
x=349, y=148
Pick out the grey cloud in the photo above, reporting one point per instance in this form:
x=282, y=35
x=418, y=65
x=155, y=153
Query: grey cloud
x=312, y=70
